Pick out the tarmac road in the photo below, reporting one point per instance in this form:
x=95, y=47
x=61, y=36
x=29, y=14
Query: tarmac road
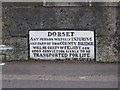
x=59, y=75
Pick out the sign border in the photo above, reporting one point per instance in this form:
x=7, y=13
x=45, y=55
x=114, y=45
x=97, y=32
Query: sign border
x=62, y=30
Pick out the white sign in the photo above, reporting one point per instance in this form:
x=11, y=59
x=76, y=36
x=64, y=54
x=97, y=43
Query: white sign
x=61, y=44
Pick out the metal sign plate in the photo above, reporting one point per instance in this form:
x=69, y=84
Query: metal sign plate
x=61, y=44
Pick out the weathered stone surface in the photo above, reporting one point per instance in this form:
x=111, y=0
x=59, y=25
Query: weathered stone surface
x=15, y=55
x=99, y=4
x=18, y=43
x=66, y=4
x=106, y=49
x=118, y=28
x=1, y=56
x=22, y=4
x=118, y=20
x=20, y=20
x=104, y=21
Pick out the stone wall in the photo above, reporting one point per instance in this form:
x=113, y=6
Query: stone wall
x=18, y=18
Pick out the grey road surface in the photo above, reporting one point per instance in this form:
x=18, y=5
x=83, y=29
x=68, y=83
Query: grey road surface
x=59, y=75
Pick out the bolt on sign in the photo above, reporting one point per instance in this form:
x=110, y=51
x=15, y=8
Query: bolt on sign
x=61, y=44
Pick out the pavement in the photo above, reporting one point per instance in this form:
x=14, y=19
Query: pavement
x=59, y=75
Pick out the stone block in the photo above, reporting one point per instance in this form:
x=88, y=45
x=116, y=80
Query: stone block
x=101, y=19
x=16, y=55
x=66, y=4
x=106, y=49
x=22, y=4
